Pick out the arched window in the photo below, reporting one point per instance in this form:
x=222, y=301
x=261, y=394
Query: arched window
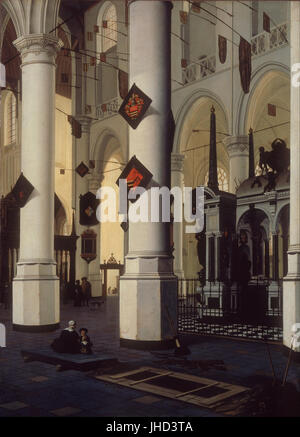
x=10, y=117
x=222, y=179
x=109, y=28
x=107, y=68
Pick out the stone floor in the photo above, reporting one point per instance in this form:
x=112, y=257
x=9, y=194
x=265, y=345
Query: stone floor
x=36, y=389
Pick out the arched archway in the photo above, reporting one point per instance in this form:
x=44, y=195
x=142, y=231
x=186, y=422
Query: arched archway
x=256, y=225
x=10, y=151
x=283, y=233
x=106, y=43
x=245, y=100
x=109, y=162
x=10, y=53
x=194, y=140
x=99, y=148
x=193, y=143
x=60, y=217
x=108, y=23
x=269, y=111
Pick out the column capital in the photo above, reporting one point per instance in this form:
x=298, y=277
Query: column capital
x=294, y=249
x=162, y=1
x=85, y=122
x=38, y=44
x=237, y=145
x=177, y=161
x=94, y=181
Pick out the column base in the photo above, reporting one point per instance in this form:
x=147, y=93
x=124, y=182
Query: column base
x=36, y=297
x=295, y=355
x=37, y=329
x=147, y=345
x=148, y=305
x=291, y=306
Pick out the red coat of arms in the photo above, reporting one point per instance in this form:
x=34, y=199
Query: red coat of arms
x=134, y=178
x=134, y=106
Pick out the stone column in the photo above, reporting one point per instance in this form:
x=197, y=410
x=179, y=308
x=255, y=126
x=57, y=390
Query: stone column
x=275, y=275
x=36, y=287
x=218, y=240
x=238, y=151
x=291, y=282
x=267, y=258
x=81, y=187
x=94, y=266
x=177, y=181
x=148, y=289
x=285, y=246
x=211, y=270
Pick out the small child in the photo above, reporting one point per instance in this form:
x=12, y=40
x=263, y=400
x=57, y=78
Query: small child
x=85, y=342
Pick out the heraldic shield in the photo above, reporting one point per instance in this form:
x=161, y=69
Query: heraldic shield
x=82, y=169
x=222, y=49
x=245, y=64
x=88, y=207
x=136, y=174
x=22, y=190
x=134, y=106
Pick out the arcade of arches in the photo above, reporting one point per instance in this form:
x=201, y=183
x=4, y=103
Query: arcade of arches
x=86, y=90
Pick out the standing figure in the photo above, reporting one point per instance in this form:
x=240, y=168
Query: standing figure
x=77, y=294
x=226, y=256
x=86, y=291
x=70, y=287
x=62, y=290
x=7, y=295
x=244, y=264
x=244, y=269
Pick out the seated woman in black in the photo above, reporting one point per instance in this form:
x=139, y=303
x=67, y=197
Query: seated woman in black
x=68, y=341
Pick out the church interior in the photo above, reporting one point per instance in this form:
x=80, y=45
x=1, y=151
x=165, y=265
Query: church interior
x=224, y=116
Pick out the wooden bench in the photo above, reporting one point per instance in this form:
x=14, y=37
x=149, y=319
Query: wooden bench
x=80, y=362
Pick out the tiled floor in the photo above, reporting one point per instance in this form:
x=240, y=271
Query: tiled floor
x=36, y=389
x=66, y=411
x=14, y=406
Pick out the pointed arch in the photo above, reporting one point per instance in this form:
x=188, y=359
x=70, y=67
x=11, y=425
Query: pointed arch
x=33, y=16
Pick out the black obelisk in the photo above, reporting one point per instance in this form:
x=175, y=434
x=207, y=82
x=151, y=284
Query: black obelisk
x=251, y=154
x=213, y=171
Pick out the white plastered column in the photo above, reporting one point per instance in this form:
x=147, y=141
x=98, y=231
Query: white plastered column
x=94, y=274
x=148, y=289
x=35, y=287
x=81, y=188
x=177, y=180
x=238, y=151
x=291, y=283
